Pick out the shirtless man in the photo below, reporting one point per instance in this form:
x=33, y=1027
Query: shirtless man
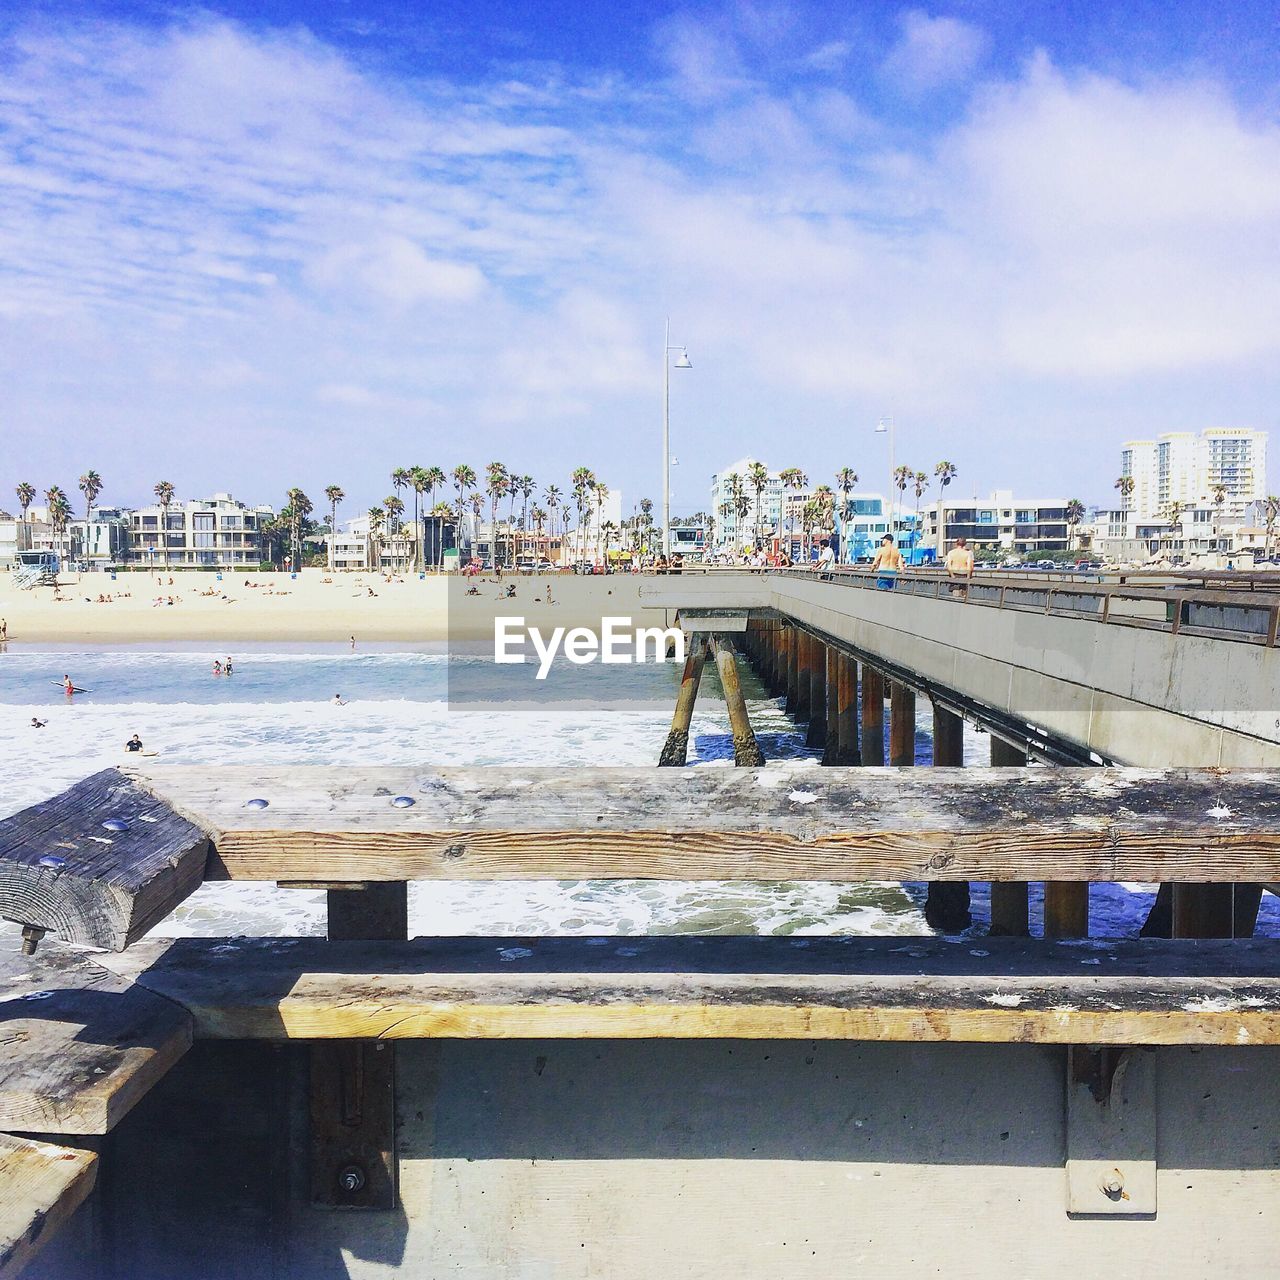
x=959, y=564
x=888, y=563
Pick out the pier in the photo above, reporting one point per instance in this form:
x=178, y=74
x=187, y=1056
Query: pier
x=699, y=1105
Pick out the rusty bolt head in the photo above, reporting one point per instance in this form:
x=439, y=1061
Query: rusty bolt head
x=351, y=1179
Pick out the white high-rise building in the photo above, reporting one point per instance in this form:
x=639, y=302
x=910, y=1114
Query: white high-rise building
x=1183, y=468
x=742, y=531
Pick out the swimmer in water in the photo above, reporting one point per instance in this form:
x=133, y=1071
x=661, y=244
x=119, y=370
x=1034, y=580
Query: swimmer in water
x=38, y=724
x=217, y=667
x=339, y=700
x=134, y=744
x=67, y=687
x=226, y=667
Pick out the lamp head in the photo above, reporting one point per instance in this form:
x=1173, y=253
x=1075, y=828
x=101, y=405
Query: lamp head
x=683, y=361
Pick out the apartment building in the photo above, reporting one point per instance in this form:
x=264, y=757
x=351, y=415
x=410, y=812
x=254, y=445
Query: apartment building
x=1180, y=469
x=1000, y=522
x=734, y=531
x=216, y=532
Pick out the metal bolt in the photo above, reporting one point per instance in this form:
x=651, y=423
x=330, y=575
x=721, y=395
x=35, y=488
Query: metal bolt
x=53, y=863
x=351, y=1179
x=1113, y=1185
x=31, y=935
x=403, y=802
x=256, y=803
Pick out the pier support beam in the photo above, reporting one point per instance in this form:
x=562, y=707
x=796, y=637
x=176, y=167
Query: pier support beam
x=816, y=737
x=872, y=699
x=847, y=710
x=1066, y=909
x=805, y=646
x=675, y=750
x=746, y=750
x=792, y=645
x=902, y=724
x=1010, y=913
x=947, y=905
x=833, y=753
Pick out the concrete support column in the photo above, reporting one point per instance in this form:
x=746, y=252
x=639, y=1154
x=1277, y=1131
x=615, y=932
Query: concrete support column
x=1010, y=914
x=947, y=905
x=872, y=700
x=902, y=724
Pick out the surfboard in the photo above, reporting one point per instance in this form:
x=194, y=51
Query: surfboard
x=74, y=688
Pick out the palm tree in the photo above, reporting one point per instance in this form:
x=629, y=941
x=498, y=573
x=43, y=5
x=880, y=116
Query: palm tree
x=394, y=507
x=527, y=490
x=26, y=495
x=794, y=478
x=1270, y=513
x=90, y=485
x=335, y=495
x=920, y=483
x=733, y=486
x=1074, y=512
x=846, y=478
x=902, y=476
x=58, y=509
x=296, y=511
x=583, y=481
x=601, y=495
x=375, y=538
x=757, y=478
x=1219, y=499
x=164, y=494
x=1126, y=485
x=608, y=530
x=824, y=501
x=946, y=473
x=497, y=481
x=464, y=478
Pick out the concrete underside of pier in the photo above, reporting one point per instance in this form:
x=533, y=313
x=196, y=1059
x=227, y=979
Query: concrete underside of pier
x=1133, y=695
x=680, y=1159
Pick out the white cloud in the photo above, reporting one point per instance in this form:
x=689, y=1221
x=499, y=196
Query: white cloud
x=932, y=53
x=205, y=231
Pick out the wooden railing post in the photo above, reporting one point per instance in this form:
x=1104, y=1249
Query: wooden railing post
x=1010, y=913
x=947, y=904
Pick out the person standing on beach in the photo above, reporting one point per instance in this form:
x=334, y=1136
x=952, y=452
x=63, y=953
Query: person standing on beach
x=4, y=630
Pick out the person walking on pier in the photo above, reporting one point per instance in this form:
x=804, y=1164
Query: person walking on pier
x=887, y=563
x=959, y=565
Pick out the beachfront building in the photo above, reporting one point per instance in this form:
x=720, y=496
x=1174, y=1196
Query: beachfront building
x=217, y=533
x=1197, y=535
x=1180, y=469
x=15, y=536
x=860, y=525
x=738, y=524
x=101, y=542
x=1003, y=523
x=585, y=541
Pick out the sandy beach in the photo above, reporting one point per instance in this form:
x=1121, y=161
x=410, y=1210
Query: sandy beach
x=315, y=606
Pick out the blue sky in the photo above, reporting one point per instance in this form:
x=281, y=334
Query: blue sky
x=246, y=246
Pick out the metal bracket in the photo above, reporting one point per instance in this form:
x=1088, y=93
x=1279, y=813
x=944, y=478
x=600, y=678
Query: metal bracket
x=1111, y=1131
x=353, y=1124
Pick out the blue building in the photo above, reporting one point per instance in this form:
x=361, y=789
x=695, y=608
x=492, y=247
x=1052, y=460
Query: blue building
x=864, y=520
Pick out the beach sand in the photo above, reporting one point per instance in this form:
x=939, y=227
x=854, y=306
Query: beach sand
x=278, y=608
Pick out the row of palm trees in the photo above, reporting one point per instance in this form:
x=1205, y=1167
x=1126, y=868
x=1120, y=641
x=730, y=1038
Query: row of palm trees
x=817, y=514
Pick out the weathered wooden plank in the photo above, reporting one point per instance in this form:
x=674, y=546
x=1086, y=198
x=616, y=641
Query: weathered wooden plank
x=62, y=869
x=79, y=1046
x=916, y=989
x=41, y=1186
x=780, y=823
x=1010, y=901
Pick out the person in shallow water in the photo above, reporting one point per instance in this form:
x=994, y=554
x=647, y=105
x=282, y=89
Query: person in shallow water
x=67, y=687
x=226, y=667
x=134, y=744
x=37, y=723
x=338, y=700
x=217, y=667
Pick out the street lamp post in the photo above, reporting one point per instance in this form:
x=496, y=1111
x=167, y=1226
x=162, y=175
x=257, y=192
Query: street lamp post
x=681, y=363
x=883, y=426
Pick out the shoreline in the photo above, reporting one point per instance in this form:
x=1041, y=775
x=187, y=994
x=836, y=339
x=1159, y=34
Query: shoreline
x=279, y=610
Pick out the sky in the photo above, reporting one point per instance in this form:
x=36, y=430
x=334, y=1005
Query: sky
x=247, y=246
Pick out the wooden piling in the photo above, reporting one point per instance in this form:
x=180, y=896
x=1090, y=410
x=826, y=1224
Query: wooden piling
x=746, y=750
x=947, y=904
x=804, y=675
x=675, y=750
x=1066, y=909
x=1010, y=912
x=872, y=702
x=816, y=736
x=847, y=710
x=902, y=724
x=1203, y=911
x=793, y=669
x=832, y=754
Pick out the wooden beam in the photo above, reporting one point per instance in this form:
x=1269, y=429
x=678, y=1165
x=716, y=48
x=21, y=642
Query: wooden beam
x=848, y=749
x=1203, y=910
x=675, y=750
x=947, y=904
x=41, y=1186
x=804, y=674
x=831, y=754
x=1066, y=909
x=79, y=1047
x=1010, y=901
x=339, y=824
x=746, y=750
x=794, y=639
x=902, y=725
x=908, y=989
x=63, y=869
x=872, y=716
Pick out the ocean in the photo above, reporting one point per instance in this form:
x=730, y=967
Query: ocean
x=277, y=709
